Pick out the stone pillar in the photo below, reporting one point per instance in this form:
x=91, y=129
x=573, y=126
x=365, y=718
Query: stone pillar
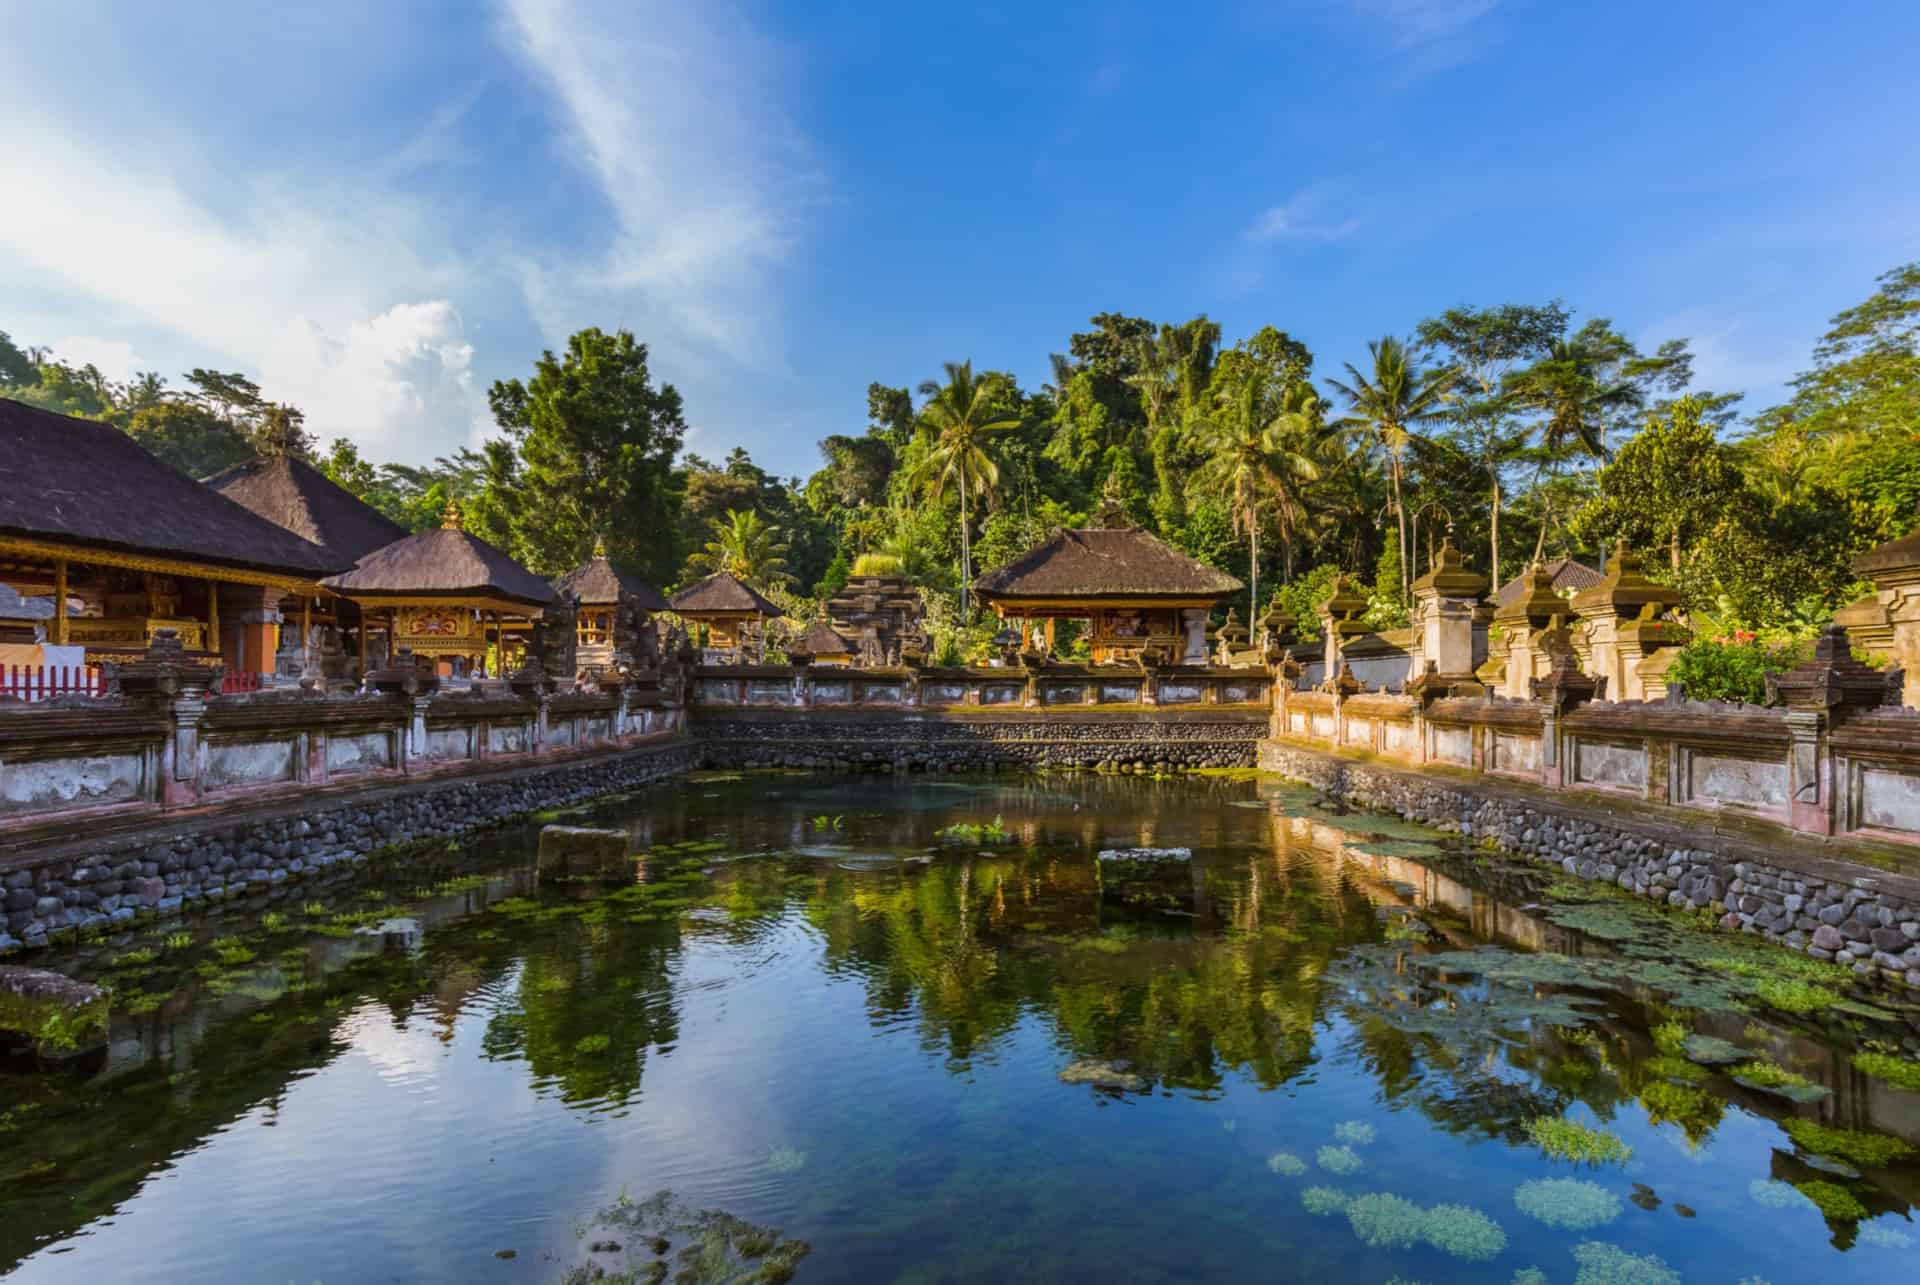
x=1193, y=622
x=1826, y=688
x=1444, y=601
x=1536, y=608
x=165, y=680
x=1340, y=619
x=257, y=611
x=1626, y=616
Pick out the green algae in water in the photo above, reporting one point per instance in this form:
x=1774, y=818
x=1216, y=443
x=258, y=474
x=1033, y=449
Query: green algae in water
x=1321, y=1201
x=1567, y=1204
x=1897, y=1071
x=1873, y=1150
x=1344, y=1161
x=1832, y=1200
x=1463, y=1232
x=1529, y=1276
x=1570, y=1140
x=1286, y=1164
x=1604, y=1264
x=1355, y=1133
x=1385, y=1221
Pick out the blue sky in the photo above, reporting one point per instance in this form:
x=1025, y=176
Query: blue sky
x=376, y=209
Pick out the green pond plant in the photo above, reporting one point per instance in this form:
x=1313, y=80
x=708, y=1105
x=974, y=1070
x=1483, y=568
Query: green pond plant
x=1565, y=1139
x=1832, y=1200
x=1567, y=1204
x=1603, y=1264
x=1902, y=1073
x=1871, y=1149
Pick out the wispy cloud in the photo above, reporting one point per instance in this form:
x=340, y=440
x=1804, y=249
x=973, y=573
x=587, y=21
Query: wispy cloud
x=673, y=109
x=1429, y=36
x=1305, y=216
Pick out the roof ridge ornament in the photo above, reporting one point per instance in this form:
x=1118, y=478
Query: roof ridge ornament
x=450, y=517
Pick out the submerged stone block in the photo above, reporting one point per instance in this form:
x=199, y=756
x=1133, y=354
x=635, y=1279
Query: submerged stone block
x=584, y=852
x=59, y=1016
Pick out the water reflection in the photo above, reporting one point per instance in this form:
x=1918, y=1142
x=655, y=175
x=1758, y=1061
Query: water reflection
x=791, y=937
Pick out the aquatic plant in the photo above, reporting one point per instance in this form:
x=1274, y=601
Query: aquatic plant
x=1832, y=1200
x=714, y=1247
x=1464, y=1232
x=1874, y=1150
x=231, y=951
x=1775, y=1194
x=1286, y=1164
x=1570, y=1140
x=1385, y=1221
x=1878, y=1237
x=1765, y=1074
x=135, y=958
x=1793, y=995
x=993, y=831
x=1341, y=1160
x=273, y=921
x=786, y=1160
x=1356, y=1133
x=178, y=941
x=824, y=822
x=315, y=910
x=1676, y=1068
x=1604, y=1264
x=1323, y=1200
x=1568, y=1204
x=1882, y=1065
x=1529, y=1276
x=1696, y=1111
x=136, y=1003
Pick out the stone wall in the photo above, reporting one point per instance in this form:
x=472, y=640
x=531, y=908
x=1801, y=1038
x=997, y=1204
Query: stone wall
x=163, y=871
x=978, y=741
x=1832, y=905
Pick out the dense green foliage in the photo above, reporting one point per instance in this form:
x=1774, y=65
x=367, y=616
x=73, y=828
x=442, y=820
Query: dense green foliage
x=1518, y=429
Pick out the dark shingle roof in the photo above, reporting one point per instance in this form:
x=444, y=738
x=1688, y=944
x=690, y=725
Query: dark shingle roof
x=292, y=493
x=448, y=563
x=78, y=482
x=1566, y=574
x=598, y=581
x=720, y=593
x=1099, y=562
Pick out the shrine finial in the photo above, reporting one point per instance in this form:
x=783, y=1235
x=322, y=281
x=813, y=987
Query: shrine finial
x=450, y=519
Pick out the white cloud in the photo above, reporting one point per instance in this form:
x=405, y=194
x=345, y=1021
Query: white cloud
x=671, y=108
x=1302, y=217
x=1428, y=36
x=113, y=358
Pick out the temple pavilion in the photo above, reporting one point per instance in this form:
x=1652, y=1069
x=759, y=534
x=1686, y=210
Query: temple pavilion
x=1135, y=591
x=821, y=644
x=445, y=595
x=292, y=494
x=730, y=609
x=128, y=546
x=610, y=602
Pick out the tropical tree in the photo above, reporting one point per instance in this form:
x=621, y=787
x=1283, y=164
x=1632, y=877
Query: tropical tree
x=1388, y=402
x=961, y=414
x=1250, y=447
x=746, y=546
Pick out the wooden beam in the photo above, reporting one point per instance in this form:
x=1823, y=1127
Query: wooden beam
x=59, y=633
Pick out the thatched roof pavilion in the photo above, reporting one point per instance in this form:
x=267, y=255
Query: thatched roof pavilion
x=437, y=588
x=726, y=605
x=1137, y=591
x=294, y=495
x=83, y=506
x=603, y=589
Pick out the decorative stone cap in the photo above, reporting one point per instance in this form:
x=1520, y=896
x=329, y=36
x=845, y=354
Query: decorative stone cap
x=1449, y=577
x=1430, y=685
x=1831, y=678
x=1537, y=605
x=1565, y=684
x=1344, y=683
x=1231, y=629
x=1277, y=620
x=164, y=672
x=1624, y=589
x=406, y=676
x=1897, y=562
x=1346, y=601
x=1285, y=666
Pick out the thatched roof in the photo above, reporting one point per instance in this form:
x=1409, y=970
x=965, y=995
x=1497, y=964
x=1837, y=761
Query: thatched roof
x=1565, y=574
x=597, y=582
x=1105, y=562
x=721, y=594
x=293, y=494
x=85, y=484
x=822, y=639
x=447, y=563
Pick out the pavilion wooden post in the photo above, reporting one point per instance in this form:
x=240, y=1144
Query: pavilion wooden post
x=306, y=633
x=363, y=644
x=214, y=644
x=59, y=632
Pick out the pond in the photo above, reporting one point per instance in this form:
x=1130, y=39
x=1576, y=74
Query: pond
x=876, y=1029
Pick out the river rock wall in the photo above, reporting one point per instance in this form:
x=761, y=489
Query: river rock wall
x=1162, y=741
x=162, y=872
x=1829, y=908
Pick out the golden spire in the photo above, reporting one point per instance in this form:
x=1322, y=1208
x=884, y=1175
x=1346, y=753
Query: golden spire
x=450, y=516
x=599, y=546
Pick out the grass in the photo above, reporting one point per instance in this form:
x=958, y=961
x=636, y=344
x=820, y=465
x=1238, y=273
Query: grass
x=1570, y=1140
x=1900, y=1072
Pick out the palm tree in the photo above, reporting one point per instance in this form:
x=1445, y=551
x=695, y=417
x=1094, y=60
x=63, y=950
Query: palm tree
x=1389, y=402
x=959, y=413
x=1576, y=388
x=747, y=547
x=1249, y=447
